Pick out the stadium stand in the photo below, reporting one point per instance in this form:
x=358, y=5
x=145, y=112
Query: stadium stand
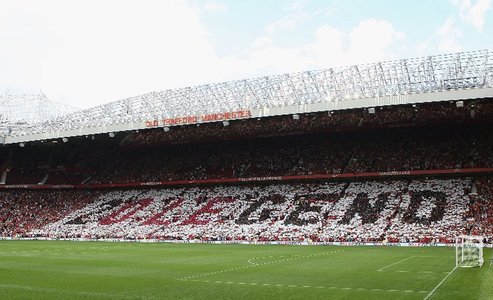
x=480, y=214
x=420, y=211
x=437, y=147
x=425, y=137
x=22, y=210
x=405, y=115
x=407, y=173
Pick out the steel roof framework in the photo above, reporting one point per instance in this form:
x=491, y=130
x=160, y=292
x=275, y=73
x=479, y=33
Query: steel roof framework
x=438, y=73
x=20, y=110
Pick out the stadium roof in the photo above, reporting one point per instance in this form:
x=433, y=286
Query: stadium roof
x=20, y=110
x=454, y=76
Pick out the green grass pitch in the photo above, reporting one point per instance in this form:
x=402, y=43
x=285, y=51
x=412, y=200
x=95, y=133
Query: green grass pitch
x=97, y=270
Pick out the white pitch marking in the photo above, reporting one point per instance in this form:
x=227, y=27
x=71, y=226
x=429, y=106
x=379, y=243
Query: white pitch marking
x=309, y=286
x=440, y=283
x=252, y=264
x=400, y=261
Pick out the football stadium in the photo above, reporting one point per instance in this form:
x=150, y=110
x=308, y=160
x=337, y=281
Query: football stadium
x=361, y=182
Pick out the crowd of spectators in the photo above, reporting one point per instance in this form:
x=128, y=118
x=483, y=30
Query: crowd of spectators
x=248, y=128
x=431, y=210
x=278, y=146
x=396, y=149
x=373, y=151
x=428, y=210
x=346, y=120
x=55, y=163
x=22, y=211
x=480, y=213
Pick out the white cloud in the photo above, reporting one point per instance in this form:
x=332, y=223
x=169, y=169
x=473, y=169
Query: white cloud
x=215, y=7
x=422, y=48
x=290, y=21
x=287, y=23
x=296, y=5
x=449, y=35
x=272, y=59
x=262, y=42
x=90, y=52
x=473, y=14
x=328, y=49
x=371, y=40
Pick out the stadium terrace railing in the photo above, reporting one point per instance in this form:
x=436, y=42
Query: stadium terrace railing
x=366, y=175
x=455, y=76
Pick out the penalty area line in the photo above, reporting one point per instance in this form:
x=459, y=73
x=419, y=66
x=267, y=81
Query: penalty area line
x=400, y=261
x=440, y=283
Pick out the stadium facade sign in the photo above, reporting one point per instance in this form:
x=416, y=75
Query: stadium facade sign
x=233, y=115
x=268, y=178
x=395, y=173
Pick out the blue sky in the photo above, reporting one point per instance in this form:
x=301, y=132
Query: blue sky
x=85, y=53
